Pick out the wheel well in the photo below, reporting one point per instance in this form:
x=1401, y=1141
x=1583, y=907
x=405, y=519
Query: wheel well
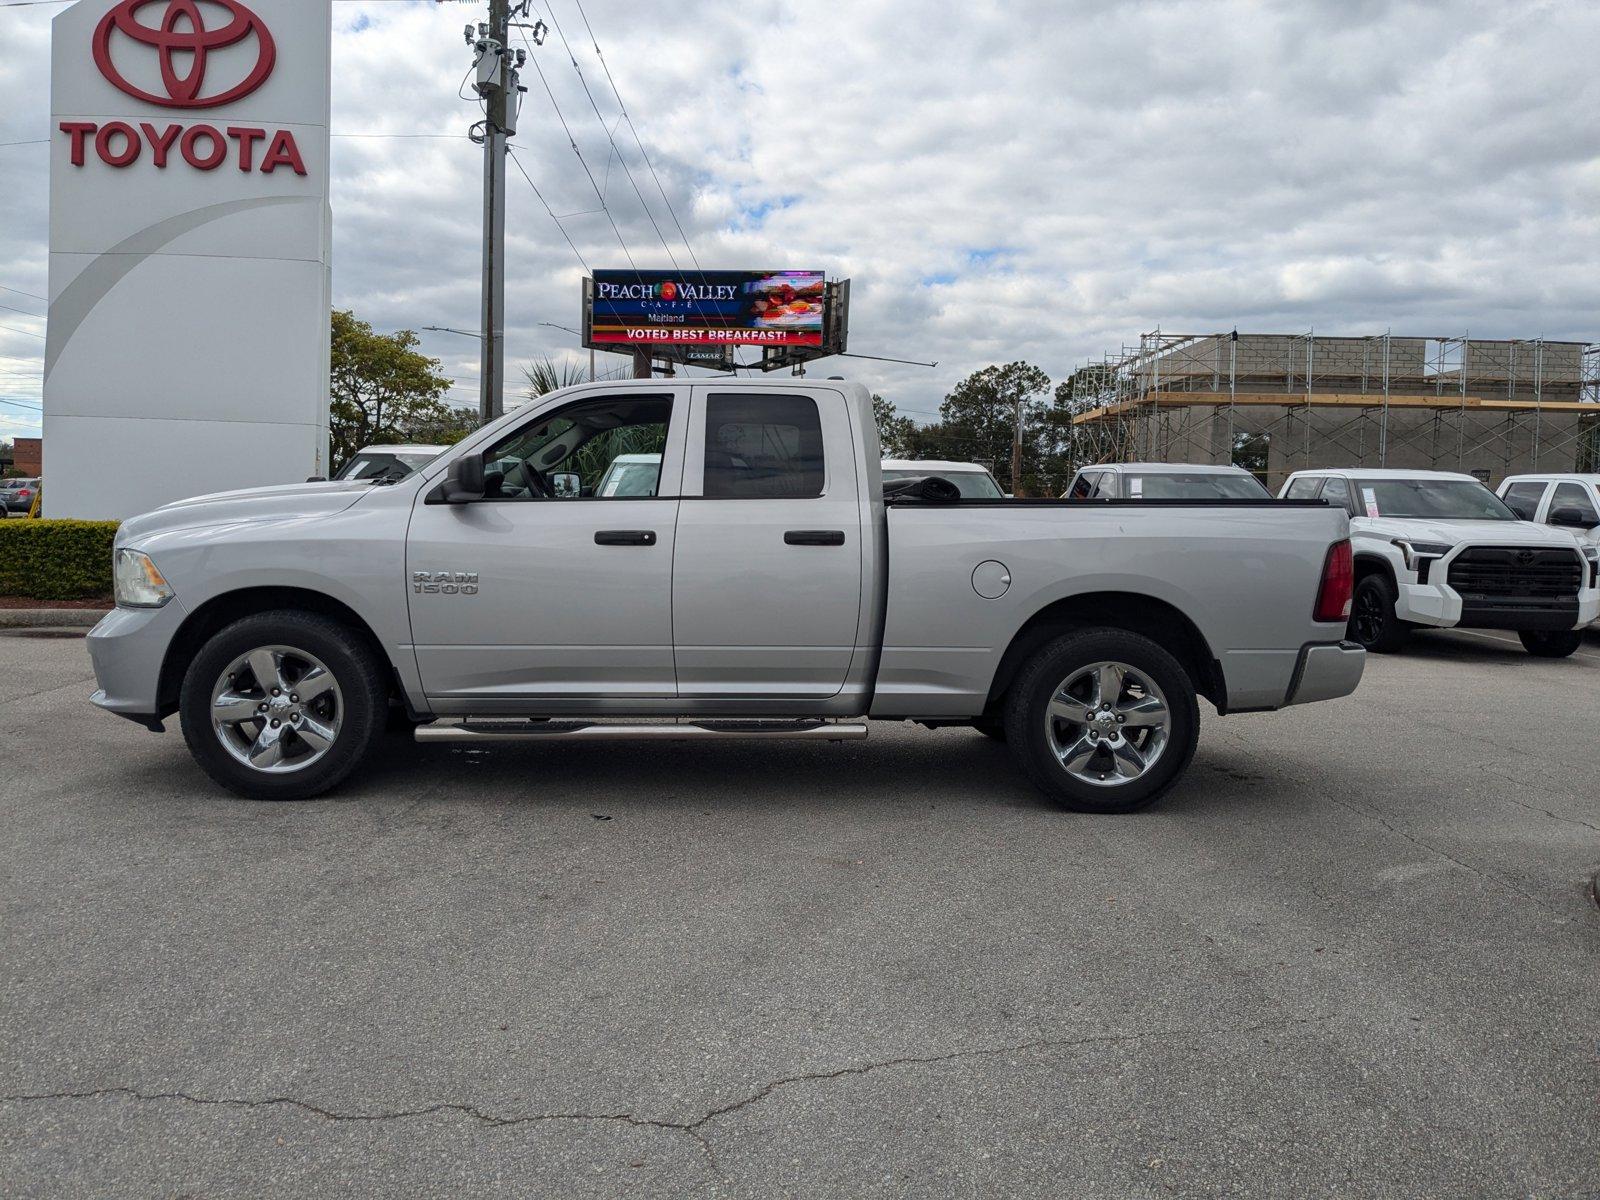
x=1372, y=564
x=1154, y=619
x=223, y=610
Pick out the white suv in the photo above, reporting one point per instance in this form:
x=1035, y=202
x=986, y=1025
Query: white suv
x=1439, y=549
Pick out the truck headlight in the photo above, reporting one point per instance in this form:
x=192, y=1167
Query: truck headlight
x=138, y=583
x=1413, y=552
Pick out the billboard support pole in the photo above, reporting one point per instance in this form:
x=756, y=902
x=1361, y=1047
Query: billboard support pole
x=641, y=363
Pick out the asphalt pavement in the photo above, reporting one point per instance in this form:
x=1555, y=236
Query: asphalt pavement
x=1354, y=954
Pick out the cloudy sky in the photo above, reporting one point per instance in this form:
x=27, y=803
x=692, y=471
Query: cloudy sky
x=1012, y=180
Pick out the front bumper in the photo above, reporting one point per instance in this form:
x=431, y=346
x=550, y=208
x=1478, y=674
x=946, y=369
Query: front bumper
x=1326, y=671
x=1441, y=606
x=127, y=649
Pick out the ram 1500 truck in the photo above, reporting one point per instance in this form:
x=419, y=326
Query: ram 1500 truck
x=764, y=587
x=1439, y=549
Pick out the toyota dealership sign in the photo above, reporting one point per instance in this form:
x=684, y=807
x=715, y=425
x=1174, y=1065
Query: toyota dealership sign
x=187, y=345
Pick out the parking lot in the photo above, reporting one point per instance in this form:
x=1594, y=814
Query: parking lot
x=1353, y=953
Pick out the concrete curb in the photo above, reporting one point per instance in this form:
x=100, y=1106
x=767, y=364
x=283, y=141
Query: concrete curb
x=59, y=618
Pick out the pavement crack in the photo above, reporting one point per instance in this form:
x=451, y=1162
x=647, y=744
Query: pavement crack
x=692, y=1129
x=1488, y=876
x=987, y=1051
x=46, y=691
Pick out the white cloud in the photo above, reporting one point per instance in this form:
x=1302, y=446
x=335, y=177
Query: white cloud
x=1037, y=180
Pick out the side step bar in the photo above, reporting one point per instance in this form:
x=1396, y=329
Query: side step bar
x=471, y=730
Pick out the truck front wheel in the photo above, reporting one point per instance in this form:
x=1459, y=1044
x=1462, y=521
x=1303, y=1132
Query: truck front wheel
x=1557, y=643
x=283, y=705
x=1373, y=623
x=1103, y=720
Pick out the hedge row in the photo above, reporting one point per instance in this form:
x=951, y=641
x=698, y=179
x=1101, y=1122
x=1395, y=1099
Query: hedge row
x=56, y=560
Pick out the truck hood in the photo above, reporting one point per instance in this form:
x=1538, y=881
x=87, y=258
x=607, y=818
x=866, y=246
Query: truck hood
x=1495, y=533
x=281, y=502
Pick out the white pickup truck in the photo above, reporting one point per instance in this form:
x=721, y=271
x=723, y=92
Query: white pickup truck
x=765, y=586
x=1438, y=549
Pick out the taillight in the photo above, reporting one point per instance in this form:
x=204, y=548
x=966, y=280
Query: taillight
x=1338, y=583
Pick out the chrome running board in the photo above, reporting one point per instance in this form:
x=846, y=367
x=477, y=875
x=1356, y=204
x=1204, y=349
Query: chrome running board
x=512, y=730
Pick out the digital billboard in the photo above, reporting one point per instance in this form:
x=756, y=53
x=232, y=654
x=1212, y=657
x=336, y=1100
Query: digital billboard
x=705, y=308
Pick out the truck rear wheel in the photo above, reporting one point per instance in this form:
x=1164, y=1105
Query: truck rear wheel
x=283, y=705
x=1557, y=643
x=1103, y=720
x=1373, y=623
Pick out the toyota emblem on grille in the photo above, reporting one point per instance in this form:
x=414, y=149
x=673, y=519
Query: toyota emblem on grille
x=1525, y=558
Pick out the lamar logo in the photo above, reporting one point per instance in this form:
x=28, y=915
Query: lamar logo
x=182, y=32
x=181, y=45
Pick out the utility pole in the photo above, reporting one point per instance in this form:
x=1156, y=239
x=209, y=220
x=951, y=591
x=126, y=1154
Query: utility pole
x=1016, y=446
x=497, y=85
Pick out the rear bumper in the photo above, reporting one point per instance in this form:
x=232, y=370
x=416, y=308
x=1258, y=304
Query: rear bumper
x=1326, y=671
x=127, y=649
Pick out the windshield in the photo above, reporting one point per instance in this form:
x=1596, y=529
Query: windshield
x=1198, y=485
x=1437, y=499
x=370, y=466
x=973, y=485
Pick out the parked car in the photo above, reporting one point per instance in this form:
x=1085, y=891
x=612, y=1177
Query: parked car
x=771, y=591
x=630, y=475
x=1438, y=549
x=1165, y=481
x=1566, y=501
x=16, y=495
x=973, y=481
x=372, y=462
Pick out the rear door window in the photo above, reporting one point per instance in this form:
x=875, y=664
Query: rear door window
x=763, y=448
x=1523, y=498
x=1337, y=492
x=1571, y=495
x=1304, y=488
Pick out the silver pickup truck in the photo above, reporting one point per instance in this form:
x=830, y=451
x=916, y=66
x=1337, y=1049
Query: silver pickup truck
x=766, y=586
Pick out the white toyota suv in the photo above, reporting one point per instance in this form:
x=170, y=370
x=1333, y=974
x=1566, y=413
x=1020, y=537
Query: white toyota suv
x=1439, y=549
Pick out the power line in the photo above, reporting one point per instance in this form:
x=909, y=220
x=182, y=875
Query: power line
x=24, y=332
x=20, y=292
x=20, y=404
x=573, y=142
x=518, y=163
x=638, y=141
x=577, y=70
x=23, y=311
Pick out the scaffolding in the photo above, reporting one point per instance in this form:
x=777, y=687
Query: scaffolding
x=1281, y=402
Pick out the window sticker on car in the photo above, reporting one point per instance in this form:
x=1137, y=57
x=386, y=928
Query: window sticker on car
x=1136, y=487
x=1372, y=502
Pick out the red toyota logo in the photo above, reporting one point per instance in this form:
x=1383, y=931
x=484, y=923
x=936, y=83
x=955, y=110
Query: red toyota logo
x=182, y=35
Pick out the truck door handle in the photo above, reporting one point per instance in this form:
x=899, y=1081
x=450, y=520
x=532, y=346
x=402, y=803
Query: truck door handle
x=625, y=537
x=814, y=537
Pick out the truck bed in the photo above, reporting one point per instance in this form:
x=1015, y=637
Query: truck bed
x=1243, y=573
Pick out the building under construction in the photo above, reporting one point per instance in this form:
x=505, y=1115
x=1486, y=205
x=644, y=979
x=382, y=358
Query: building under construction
x=1277, y=403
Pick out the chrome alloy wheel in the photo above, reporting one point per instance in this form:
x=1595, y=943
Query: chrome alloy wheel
x=1108, y=724
x=276, y=709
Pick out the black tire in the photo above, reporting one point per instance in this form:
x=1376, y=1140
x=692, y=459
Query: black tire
x=1373, y=623
x=1544, y=643
x=992, y=726
x=1028, y=701
x=363, y=685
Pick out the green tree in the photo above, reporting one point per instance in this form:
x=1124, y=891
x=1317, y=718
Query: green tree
x=897, y=434
x=988, y=408
x=382, y=389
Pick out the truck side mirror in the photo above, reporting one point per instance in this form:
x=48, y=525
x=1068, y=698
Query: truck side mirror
x=566, y=485
x=462, y=484
x=1571, y=518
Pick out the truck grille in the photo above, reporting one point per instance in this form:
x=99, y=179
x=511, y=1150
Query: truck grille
x=1516, y=573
